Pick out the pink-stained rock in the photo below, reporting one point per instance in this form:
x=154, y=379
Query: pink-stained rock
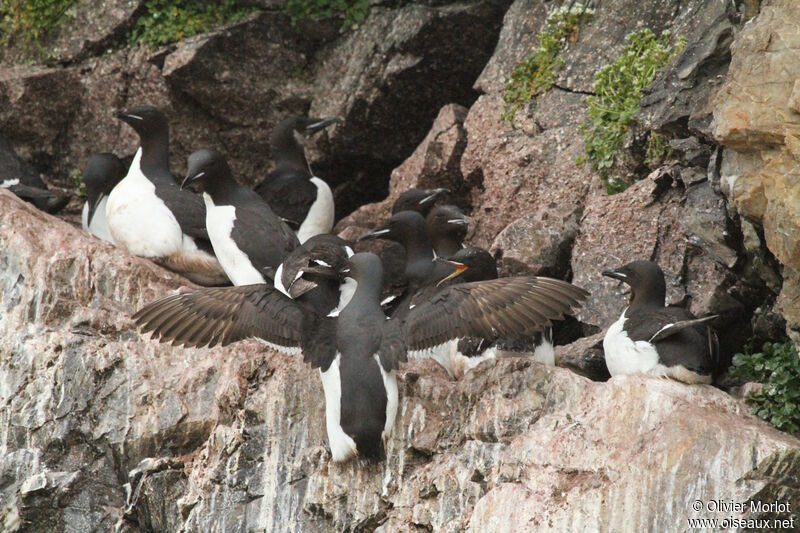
x=651, y=220
x=121, y=431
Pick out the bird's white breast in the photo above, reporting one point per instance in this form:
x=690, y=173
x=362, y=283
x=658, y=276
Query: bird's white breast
x=624, y=356
x=390, y=384
x=235, y=263
x=319, y=218
x=343, y=447
x=138, y=220
x=346, y=291
x=98, y=226
x=9, y=183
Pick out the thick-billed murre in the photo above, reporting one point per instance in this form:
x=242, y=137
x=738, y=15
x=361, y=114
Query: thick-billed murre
x=419, y=200
x=150, y=216
x=358, y=351
x=246, y=235
x=303, y=200
x=101, y=175
x=652, y=339
x=447, y=226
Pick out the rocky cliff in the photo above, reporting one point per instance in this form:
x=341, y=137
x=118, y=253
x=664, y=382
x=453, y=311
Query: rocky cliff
x=102, y=429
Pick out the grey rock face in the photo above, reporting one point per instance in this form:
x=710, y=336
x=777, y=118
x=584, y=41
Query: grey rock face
x=102, y=428
x=227, y=89
x=393, y=75
x=87, y=27
x=14, y=167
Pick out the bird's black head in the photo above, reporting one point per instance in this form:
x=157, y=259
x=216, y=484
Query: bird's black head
x=646, y=280
x=480, y=264
x=207, y=170
x=147, y=120
x=401, y=227
x=447, y=221
x=322, y=257
x=292, y=133
x=419, y=200
x=366, y=268
x=101, y=175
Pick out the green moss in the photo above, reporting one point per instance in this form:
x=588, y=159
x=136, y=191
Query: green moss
x=352, y=12
x=167, y=21
x=618, y=92
x=29, y=22
x=536, y=73
x=777, y=366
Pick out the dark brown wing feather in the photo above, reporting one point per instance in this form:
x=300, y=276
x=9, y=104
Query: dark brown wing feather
x=506, y=307
x=211, y=316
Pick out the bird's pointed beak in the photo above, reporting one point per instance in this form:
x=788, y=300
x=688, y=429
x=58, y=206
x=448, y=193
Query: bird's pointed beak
x=381, y=232
x=615, y=275
x=461, y=221
x=191, y=179
x=434, y=195
x=321, y=124
x=459, y=268
x=300, y=286
x=325, y=271
x=93, y=206
x=127, y=117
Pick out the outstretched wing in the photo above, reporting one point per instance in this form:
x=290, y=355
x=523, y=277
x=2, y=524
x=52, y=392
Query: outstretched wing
x=505, y=307
x=212, y=316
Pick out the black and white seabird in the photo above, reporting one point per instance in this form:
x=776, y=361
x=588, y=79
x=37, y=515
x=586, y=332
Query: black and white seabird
x=447, y=226
x=310, y=274
x=358, y=352
x=480, y=264
x=419, y=200
x=101, y=175
x=303, y=200
x=42, y=198
x=407, y=228
x=471, y=351
x=463, y=354
x=150, y=216
x=246, y=235
x=424, y=277
x=23, y=180
x=652, y=339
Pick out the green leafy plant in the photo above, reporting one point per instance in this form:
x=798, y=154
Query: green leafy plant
x=28, y=22
x=167, y=21
x=777, y=366
x=618, y=92
x=657, y=149
x=536, y=73
x=75, y=179
x=352, y=12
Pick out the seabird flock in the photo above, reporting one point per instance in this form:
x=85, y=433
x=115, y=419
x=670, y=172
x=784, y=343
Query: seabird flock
x=273, y=271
